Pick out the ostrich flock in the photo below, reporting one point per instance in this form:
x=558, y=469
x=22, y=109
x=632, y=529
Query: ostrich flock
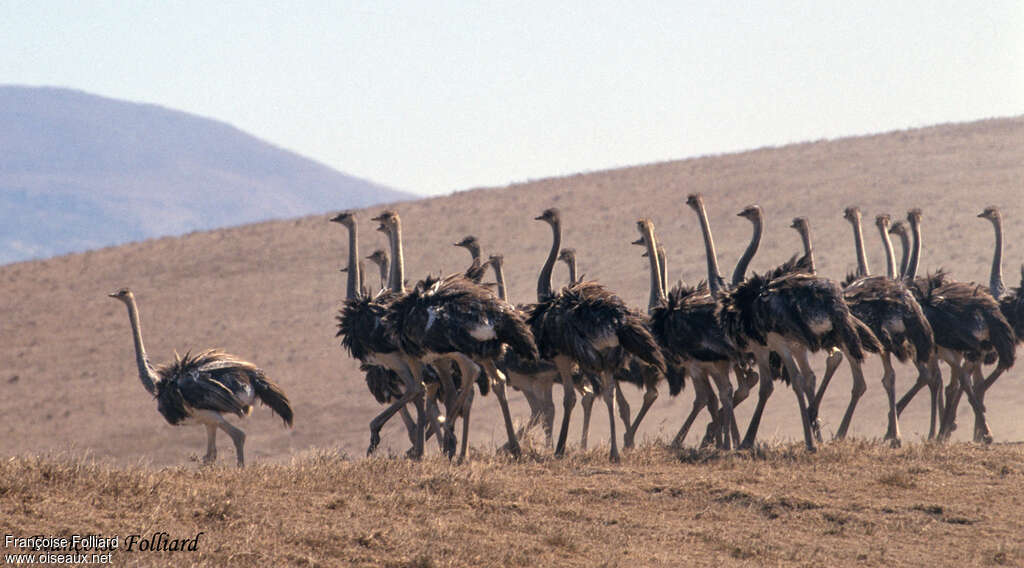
x=426, y=350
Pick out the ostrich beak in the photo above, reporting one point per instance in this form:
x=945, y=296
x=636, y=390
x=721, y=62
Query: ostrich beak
x=113, y=295
x=639, y=241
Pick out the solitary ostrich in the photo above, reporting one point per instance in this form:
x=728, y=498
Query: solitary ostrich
x=893, y=315
x=380, y=258
x=586, y=324
x=455, y=319
x=967, y=323
x=204, y=387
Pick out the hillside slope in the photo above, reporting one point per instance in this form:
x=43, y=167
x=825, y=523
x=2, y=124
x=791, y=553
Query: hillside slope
x=78, y=171
x=270, y=291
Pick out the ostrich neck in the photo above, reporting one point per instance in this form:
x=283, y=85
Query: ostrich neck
x=714, y=277
x=858, y=242
x=572, y=270
x=663, y=266
x=995, y=281
x=355, y=273
x=544, y=280
x=915, y=251
x=362, y=273
x=396, y=278
x=657, y=289
x=383, y=268
x=805, y=238
x=890, y=255
x=146, y=374
x=499, y=275
x=755, y=241
x=905, y=254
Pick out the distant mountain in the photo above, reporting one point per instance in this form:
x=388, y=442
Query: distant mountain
x=79, y=171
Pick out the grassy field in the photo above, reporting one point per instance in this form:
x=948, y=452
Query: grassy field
x=851, y=504
x=84, y=451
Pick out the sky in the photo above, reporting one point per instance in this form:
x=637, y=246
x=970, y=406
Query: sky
x=436, y=97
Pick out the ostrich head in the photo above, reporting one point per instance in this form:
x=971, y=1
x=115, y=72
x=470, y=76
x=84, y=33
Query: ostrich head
x=852, y=214
x=750, y=212
x=567, y=255
x=378, y=257
x=646, y=228
x=799, y=223
x=496, y=260
x=388, y=220
x=550, y=216
x=991, y=213
x=124, y=294
x=882, y=220
x=471, y=244
x=347, y=218
x=914, y=217
x=899, y=228
x=695, y=201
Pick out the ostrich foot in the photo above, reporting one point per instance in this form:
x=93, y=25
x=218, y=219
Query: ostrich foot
x=374, y=442
x=449, y=443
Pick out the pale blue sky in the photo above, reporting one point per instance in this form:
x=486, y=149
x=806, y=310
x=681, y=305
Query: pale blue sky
x=433, y=97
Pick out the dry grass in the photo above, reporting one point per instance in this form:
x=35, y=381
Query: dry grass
x=852, y=503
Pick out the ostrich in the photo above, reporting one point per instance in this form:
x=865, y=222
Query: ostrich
x=568, y=256
x=632, y=371
x=534, y=378
x=899, y=228
x=476, y=269
x=380, y=258
x=205, y=387
x=1011, y=305
x=455, y=319
x=586, y=324
x=384, y=383
x=893, y=315
x=967, y=323
x=803, y=227
x=853, y=215
x=791, y=314
x=366, y=337
x=685, y=327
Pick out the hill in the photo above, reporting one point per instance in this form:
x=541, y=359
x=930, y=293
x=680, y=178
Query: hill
x=269, y=291
x=78, y=171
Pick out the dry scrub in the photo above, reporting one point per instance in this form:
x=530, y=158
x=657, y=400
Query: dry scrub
x=852, y=503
